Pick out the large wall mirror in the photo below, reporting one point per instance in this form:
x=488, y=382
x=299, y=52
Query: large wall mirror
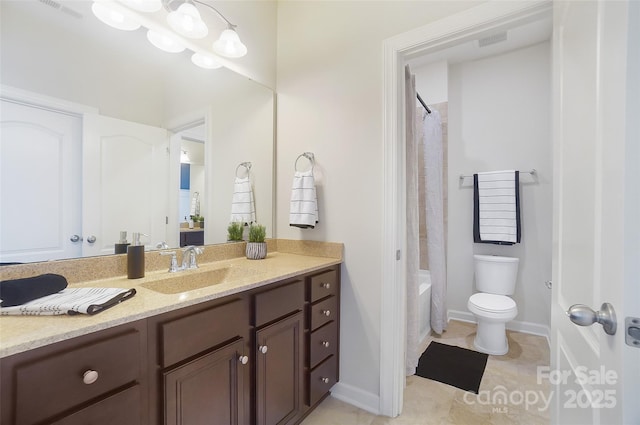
x=96, y=127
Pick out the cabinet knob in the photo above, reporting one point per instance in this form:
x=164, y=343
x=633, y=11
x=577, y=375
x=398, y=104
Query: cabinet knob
x=325, y=344
x=325, y=285
x=325, y=380
x=263, y=349
x=89, y=377
x=326, y=312
x=243, y=359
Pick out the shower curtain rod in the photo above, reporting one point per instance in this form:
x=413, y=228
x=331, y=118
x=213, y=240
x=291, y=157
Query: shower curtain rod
x=423, y=104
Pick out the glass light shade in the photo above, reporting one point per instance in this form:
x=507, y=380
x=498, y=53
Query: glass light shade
x=148, y=6
x=113, y=18
x=229, y=44
x=164, y=42
x=205, y=61
x=186, y=21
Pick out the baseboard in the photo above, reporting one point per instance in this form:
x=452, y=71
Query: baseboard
x=514, y=325
x=357, y=397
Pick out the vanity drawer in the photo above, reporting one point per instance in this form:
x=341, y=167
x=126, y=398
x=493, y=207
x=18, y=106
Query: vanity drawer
x=322, y=378
x=56, y=383
x=323, y=285
x=122, y=408
x=323, y=343
x=324, y=312
x=279, y=302
x=200, y=331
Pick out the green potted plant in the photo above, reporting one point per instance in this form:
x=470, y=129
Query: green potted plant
x=234, y=231
x=256, y=247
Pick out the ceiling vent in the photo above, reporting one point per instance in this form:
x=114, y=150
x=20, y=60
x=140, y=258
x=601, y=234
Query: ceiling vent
x=492, y=39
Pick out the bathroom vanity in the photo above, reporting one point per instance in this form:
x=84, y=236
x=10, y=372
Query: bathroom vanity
x=260, y=348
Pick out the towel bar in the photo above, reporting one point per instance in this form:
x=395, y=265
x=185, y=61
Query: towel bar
x=532, y=172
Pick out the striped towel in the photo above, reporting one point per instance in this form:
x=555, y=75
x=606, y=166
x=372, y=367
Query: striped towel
x=496, y=207
x=71, y=301
x=303, y=210
x=243, y=208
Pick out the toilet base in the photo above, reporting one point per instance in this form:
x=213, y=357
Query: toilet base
x=491, y=338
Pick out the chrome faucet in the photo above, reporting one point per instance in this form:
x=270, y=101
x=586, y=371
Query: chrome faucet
x=189, y=257
x=174, y=261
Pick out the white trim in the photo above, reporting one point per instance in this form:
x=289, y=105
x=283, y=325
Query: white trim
x=437, y=35
x=42, y=101
x=356, y=397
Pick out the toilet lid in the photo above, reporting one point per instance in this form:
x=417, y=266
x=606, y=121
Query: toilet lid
x=492, y=302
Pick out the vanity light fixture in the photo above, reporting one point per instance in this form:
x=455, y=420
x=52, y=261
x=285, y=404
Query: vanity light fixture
x=185, y=19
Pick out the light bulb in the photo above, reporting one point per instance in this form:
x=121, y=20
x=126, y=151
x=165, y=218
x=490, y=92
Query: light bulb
x=112, y=17
x=144, y=5
x=205, y=61
x=186, y=21
x=229, y=44
x=164, y=42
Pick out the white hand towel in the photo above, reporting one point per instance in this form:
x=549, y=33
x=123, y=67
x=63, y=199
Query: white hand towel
x=243, y=208
x=496, y=207
x=71, y=301
x=303, y=211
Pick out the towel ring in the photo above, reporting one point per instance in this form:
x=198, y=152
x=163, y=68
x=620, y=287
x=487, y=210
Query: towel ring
x=309, y=156
x=246, y=165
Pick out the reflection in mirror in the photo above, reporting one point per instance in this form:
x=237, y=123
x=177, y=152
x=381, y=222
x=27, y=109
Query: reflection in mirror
x=92, y=127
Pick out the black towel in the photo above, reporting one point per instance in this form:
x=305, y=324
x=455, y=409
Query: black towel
x=19, y=291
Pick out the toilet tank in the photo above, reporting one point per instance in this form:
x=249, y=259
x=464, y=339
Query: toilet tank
x=496, y=275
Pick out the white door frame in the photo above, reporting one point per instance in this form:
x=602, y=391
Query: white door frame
x=490, y=16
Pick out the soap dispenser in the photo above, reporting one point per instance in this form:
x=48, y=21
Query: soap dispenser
x=135, y=258
x=121, y=246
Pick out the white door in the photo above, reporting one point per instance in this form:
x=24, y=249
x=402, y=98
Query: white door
x=125, y=182
x=594, y=375
x=40, y=169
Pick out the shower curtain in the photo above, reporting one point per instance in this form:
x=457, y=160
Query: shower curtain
x=436, y=251
x=412, y=353
x=431, y=137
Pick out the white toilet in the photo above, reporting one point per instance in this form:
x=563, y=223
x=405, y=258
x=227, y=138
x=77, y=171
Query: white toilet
x=495, y=279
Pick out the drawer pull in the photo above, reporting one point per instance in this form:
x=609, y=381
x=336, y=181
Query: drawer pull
x=325, y=285
x=325, y=344
x=263, y=349
x=326, y=312
x=89, y=377
x=325, y=380
x=243, y=359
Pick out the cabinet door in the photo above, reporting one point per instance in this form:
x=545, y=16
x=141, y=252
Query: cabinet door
x=279, y=369
x=207, y=390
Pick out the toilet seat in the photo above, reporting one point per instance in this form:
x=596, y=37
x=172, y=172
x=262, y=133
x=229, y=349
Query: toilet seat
x=492, y=304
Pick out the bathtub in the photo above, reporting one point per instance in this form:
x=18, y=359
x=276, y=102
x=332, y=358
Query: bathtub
x=424, y=303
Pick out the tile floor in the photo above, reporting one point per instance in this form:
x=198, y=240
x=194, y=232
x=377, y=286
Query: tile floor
x=512, y=377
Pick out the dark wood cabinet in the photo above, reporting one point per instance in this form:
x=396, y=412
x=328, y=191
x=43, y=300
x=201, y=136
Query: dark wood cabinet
x=71, y=381
x=192, y=237
x=279, y=371
x=207, y=390
x=202, y=364
x=265, y=356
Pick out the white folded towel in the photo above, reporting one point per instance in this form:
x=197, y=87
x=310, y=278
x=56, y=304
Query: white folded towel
x=303, y=210
x=243, y=208
x=71, y=301
x=497, y=207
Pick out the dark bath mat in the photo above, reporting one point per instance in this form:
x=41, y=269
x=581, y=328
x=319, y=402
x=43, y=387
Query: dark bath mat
x=453, y=366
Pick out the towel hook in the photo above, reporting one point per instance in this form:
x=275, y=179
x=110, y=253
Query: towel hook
x=309, y=155
x=246, y=165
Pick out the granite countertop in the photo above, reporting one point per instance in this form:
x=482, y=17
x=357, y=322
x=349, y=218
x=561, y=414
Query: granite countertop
x=22, y=333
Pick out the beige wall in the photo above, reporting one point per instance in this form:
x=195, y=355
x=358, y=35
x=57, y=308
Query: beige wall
x=329, y=83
